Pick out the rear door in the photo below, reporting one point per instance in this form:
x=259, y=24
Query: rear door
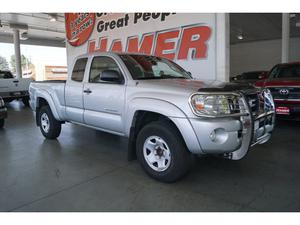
x=74, y=91
x=104, y=101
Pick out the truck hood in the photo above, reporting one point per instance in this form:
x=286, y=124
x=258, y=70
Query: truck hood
x=281, y=82
x=193, y=85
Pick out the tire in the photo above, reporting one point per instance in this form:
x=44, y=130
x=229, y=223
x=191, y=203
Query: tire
x=25, y=101
x=163, y=134
x=50, y=127
x=1, y=123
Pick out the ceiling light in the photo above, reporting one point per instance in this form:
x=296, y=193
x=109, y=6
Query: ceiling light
x=52, y=17
x=24, y=36
x=240, y=37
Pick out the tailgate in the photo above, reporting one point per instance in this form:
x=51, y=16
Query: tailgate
x=14, y=85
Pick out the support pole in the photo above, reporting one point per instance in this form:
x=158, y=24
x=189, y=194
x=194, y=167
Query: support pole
x=17, y=53
x=285, y=46
x=222, y=46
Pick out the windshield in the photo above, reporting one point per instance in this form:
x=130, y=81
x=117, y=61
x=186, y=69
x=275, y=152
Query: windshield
x=288, y=71
x=151, y=67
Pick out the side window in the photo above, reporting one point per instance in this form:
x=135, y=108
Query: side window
x=100, y=64
x=78, y=70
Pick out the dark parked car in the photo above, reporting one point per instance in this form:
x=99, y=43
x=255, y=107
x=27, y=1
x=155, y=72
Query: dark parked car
x=3, y=112
x=284, y=83
x=250, y=77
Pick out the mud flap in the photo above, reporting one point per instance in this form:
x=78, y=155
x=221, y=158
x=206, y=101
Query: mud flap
x=131, y=152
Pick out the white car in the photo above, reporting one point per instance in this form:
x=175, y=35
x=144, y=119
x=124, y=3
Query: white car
x=12, y=88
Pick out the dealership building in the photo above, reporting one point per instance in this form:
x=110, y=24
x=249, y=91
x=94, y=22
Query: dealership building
x=88, y=170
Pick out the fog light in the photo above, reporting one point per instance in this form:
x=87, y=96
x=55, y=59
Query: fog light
x=219, y=135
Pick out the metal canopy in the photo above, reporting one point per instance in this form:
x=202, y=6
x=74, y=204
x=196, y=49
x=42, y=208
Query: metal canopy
x=35, y=28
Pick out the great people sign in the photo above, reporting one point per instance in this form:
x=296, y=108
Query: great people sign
x=186, y=38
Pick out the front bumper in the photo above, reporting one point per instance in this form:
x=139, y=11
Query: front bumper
x=232, y=136
x=3, y=113
x=227, y=135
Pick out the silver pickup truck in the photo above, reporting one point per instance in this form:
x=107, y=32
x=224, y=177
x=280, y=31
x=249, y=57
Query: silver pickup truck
x=167, y=116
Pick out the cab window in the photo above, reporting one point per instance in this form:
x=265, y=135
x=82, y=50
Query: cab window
x=100, y=64
x=78, y=70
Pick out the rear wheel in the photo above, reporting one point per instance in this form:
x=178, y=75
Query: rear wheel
x=25, y=101
x=50, y=127
x=1, y=123
x=162, y=152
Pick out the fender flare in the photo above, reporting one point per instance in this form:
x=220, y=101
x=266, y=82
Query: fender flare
x=151, y=105
x=167, y=109
x=47, y=96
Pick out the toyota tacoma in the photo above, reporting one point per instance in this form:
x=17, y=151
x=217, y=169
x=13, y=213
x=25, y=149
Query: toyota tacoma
x=167, y=116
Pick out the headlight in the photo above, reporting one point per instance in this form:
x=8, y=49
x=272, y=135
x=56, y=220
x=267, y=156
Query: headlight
x=214, y=105
x=1, y=103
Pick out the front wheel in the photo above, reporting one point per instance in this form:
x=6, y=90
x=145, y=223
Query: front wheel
x=50, y=127
x=162, y=152
x=1, y=123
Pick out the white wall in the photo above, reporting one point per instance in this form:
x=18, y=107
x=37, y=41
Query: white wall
x=261, y=55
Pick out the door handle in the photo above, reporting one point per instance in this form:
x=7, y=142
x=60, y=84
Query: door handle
x=87, y=91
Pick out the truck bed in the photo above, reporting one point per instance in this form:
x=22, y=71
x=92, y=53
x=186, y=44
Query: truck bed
x=56, y=89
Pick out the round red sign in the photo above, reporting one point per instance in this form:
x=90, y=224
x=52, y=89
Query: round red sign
x=79, y=27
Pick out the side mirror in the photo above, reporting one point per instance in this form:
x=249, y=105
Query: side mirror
x=110, y=76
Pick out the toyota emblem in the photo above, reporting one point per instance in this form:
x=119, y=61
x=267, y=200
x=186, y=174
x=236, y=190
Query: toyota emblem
x=284, y=91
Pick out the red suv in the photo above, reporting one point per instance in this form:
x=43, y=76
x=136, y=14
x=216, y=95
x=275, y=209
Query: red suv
x=284, y=83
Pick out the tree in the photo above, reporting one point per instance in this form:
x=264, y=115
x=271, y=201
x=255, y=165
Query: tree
x=3, y=63
x=25, y=63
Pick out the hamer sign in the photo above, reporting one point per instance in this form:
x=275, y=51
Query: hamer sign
x=188, y=39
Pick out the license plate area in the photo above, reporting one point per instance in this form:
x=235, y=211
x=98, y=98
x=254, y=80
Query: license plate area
x=282, y=110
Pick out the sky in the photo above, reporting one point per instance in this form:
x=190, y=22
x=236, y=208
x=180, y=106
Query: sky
x=37, y=54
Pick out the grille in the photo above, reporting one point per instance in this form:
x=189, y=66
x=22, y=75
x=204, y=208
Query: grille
x=253, y=101
x=293, y=93
x=259, y=103
x=235, y=105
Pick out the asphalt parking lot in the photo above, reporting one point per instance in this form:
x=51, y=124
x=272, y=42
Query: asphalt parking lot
x=87, y=170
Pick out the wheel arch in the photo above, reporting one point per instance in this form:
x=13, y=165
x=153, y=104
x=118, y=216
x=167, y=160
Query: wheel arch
x=141, y=113
x=43, y=98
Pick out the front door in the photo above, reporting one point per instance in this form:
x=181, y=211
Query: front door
x=104, y=100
